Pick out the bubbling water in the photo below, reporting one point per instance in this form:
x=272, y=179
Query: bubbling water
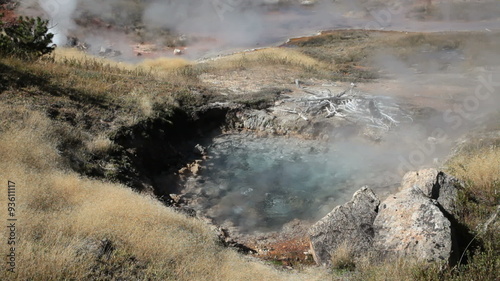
x=262, y=183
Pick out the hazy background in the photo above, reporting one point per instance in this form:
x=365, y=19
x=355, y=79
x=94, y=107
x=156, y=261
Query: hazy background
x=246, y=23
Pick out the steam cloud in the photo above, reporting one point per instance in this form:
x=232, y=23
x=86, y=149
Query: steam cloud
x=61, y=17
x=252, y=23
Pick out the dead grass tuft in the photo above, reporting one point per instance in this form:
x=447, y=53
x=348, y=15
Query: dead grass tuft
x=99, y=145
x=29, y=128
x=343, y=258
x=481, y=170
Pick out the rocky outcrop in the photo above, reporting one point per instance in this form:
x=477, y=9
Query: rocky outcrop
x=347, y=225
x=411, y=224
x=263, y=122
x=415, y=222
x=423, y=179
x=435, y=185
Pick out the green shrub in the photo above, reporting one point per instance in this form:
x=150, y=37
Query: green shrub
x=26, y=38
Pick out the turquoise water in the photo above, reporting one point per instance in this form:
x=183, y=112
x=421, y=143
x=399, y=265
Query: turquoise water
x=263, y=183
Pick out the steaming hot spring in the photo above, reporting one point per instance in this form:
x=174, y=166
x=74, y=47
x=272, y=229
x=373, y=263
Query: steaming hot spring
x=261, y=183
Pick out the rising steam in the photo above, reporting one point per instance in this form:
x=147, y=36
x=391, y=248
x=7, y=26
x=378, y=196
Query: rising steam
x=247, y=23
x=61, y=18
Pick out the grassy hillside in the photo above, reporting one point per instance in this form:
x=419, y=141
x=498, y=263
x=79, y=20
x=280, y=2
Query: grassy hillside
x=74, y=227
x=62, y=216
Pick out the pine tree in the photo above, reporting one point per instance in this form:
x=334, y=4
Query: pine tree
x=26, y=38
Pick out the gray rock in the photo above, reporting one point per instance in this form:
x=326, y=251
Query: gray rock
x=425, y=180
x=446, y=190
x=349, y=224
x=435, y=185
x=415, y=222
x=410, y=224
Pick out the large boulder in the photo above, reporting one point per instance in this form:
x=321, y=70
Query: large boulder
x=348, y=225
x=416, y=222
x=435, y=185
x=410, y=224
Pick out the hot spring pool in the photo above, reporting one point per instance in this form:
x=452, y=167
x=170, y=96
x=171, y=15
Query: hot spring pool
x=262, y=183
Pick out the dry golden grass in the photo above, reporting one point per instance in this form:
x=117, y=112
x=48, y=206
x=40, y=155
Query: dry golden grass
x=267, y=57
x=144, y=102
x=343, y=258
x=101, y=82
x=481, y=170
x=99, y=145
x=59, y=212
x=396, y=270
x=164, y=64
x=65, y=55
x=159, y=68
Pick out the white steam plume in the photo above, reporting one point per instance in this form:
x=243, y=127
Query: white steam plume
x=61, y=17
